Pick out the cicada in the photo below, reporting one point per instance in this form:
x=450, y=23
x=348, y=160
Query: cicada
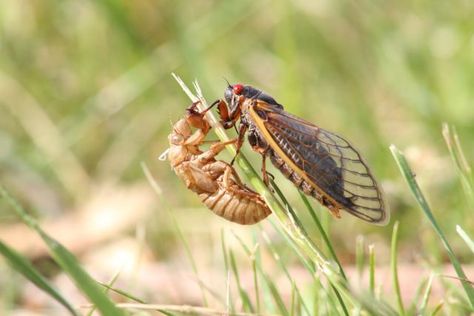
x=215, y=181
x=320, y=163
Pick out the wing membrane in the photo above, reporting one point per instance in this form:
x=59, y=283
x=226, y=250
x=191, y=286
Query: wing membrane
x=330, y=162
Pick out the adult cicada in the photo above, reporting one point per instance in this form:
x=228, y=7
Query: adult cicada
x=215, y=181
x=320, y=163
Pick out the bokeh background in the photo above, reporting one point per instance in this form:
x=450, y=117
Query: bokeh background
x=87, y=101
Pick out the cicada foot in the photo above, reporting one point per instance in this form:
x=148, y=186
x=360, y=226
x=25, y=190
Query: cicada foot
x=265, y=174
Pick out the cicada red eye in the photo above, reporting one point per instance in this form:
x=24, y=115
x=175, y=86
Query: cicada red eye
x=238, y=89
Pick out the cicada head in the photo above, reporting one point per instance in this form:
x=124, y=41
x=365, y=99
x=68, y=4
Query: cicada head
x=232, y=95
x=237, y=93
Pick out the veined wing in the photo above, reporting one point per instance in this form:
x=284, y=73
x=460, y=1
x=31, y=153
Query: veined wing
x=331, y=164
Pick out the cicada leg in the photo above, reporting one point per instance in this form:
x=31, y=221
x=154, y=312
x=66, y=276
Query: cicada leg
x=213, y=151
x=265, y=177
x=240, y=141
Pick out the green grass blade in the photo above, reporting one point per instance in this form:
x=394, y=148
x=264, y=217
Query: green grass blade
x=469, y=242
x=437, y=309
x=298, y=223
x=229, y=302
x=268, y=281
x=413, y=307
x=283, y=267
x=179, y=232
x=255, y=258
x=323, y=233
x=123, y=293
x=457, y=155
x=25, y=268
x=106, y=290
x=293, y=300
x=372, y=270
x=394, y=268
x=426, y=295
x=415, y=189
x=276, y=295
x=360, y=257
x=68, y=262
x=247, y=304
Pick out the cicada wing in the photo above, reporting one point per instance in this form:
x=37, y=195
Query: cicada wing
x=331, y=163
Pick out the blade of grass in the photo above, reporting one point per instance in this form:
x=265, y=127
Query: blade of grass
x=469, y=242
x=229, y=302
x=282, y=265
x=182, y=309
x=247, y=304
x=415, y=189
x=326, y=239
x=437, y=309
x=123, y=293
x=372, y=269
x=275, y=294
x=394, y=268
x=270, y=285
x=413, y=307
x=68, y=262
x=293, y=300
x=291, y=211
x=426, y=295
x=457, y=155
x=255, y=258
x=106, y=290
x=360, y=257
x=178, y=230
x=25, y=268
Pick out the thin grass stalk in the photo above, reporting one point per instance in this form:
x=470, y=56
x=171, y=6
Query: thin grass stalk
x=360, y=257
x=106, y=289
x=426, y=295
x=182, y=309
x=372, y=269
x=420, y=198
x=323, y=233
x=293, y=299
x=394, y=268
x=229, y=302
x=293, y=214
x=437, y=309
x=282, y=265
x=276, y=256
x=178, y=230
x=255, y=258
x=469, y=242
x=460, y=162
x=247, y=304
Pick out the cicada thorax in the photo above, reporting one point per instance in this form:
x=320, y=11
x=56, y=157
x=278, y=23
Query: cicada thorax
x=216, y=182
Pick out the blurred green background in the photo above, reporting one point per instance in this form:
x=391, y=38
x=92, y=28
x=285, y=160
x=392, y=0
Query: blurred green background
x=86, y=99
